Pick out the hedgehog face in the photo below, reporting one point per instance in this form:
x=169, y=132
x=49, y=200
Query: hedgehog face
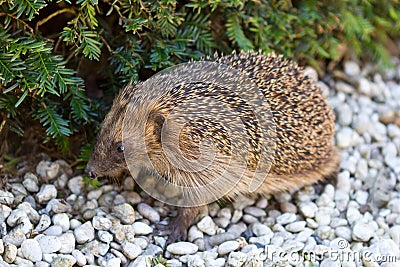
x=125, y=142
x=108, y=158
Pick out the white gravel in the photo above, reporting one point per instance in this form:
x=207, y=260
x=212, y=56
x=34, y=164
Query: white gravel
x=49, y=218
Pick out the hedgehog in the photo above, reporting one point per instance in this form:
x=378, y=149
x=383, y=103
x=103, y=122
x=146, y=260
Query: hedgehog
x=241, y=124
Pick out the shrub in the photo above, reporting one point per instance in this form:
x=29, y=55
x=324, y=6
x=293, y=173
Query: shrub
x=48, y=49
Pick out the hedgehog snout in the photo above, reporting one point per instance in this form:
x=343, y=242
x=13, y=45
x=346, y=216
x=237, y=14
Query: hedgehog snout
x=90, y=172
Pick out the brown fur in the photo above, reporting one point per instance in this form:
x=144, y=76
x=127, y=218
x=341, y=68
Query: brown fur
x=304, y=126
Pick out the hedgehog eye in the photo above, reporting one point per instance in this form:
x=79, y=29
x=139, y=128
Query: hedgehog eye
x=120, y=148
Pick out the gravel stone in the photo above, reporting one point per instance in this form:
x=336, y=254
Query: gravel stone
x=141, y=228
x=362, y=232
x=103, y=248
x=227, y=247
x=75, y=224
x=296, y=227
x=236, y=259
x=18, y=191
x=350, y=164
x=261, y=230
x=5, y=211
x=25, y=225
x=91, y=248
x=182, y=248
x=144, y=261
x=346, y=137
x=47, y=169
x=31, y=182
x=31, y=250
x=323, y=217
x=311, y=72
x=394, y=205
x=304, y=235
x=288, y=207
x=152, y=250
x=54, y=230
x=308, y=209
x=148, y=212
x=330, y=263
x=101, y=223
x=263, y=240
x=105, y=236
x=394, y=233
x=216, y=240
x=343, y=232
x=62, y=220
x=63, y=261
x=125, y=213
x=6, y=198
x=16, y=236
x=48, y=244
x=336, y=222
x=345, y=115
x=113, y=262
x=237, y=229
x=84, y=233
x=292, y=245
x=364, y=86
x=89, y=214
x=15, y=217
x=32, y=214
x=237, y=215
x=76, y=185
x=361, y=197
x=79, y=257
x=58, y=206
x=207, y=226
x=353, y=214
x=342, y=199
x=262, y=203
x=256, y=212
x=225, y=213
x=351, y=68
x=362, y=169
x=286, y=218
x=94, y=194
x=242, y=202
x=130, y=250
x=22, y=262
x=10, y=253
x=47, y=192
x=220, y=262
x=67, y=242
x=41, y=264
x=194, y=233
x=224, y=222
x=323, y=232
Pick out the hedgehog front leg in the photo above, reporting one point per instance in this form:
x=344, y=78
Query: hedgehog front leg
x=180, y=224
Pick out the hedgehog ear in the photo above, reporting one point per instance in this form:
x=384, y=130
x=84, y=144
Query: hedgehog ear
x=157, y=120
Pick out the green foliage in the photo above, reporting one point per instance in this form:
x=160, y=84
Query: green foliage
x=94, y=183
x=86, y=151
x=10, y=161
x=48, y=48
x=159, y=260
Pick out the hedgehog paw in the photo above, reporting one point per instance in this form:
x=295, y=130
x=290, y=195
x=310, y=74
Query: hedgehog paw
x=175, y=231
x=178, y=232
